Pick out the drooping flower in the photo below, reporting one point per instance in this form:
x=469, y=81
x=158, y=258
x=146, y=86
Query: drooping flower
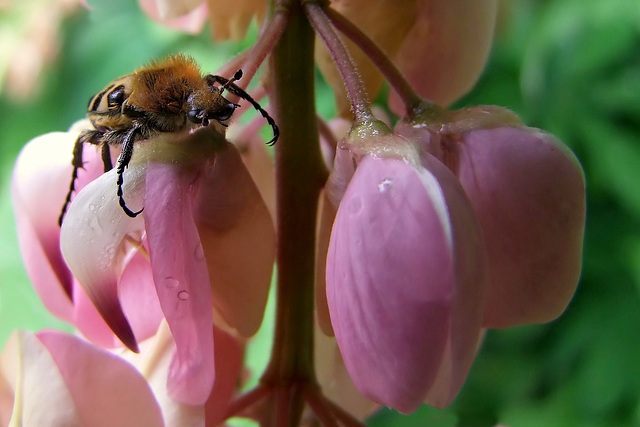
x=198, y=196
x=446, y=49
x=229, y=20
x=440, y=46
x=405, y=277
x=527, y=190
x=52, y=378
x=40, y=181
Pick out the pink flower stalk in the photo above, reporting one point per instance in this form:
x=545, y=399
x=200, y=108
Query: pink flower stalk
x=528, y=192
x=405, y=279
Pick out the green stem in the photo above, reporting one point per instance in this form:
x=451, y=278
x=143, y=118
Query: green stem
x=300, y=175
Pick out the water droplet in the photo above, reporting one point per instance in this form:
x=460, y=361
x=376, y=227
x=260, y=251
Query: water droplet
x=93, y=208
x=384, y=185
x=354, y=205
x=171, y=282
x=198, y=253
x=183, y=295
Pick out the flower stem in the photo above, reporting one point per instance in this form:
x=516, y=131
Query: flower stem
x=356, y=92
x=396, y=80
x=300, y=175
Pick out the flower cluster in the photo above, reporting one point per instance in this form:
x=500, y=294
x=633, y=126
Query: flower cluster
x=451, y=223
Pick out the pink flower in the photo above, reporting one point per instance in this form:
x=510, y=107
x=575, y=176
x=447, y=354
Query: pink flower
x=446, y=49
x=52, y=378
x=189, y=16
x=528, y=192
x=39, y=185
x=229, y=20
x=440, y=46
x=205, y=246
x=405, y=280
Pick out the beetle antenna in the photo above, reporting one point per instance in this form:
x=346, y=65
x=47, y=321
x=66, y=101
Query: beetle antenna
x=231, y=87
x=237, y=76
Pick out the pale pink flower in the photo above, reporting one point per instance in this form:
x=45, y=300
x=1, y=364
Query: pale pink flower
x=229, y=19
x=203, y=248
x=55, y=379
x=189, y=16
x=405, y=280
x=40, y=181
x=52, y=378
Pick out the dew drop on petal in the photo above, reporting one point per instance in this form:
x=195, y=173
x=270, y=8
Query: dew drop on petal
x=171, y=282
x=384, y=185
x=183, y=295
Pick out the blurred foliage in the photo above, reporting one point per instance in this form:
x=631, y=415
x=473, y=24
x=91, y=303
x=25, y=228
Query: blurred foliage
x=571, y=67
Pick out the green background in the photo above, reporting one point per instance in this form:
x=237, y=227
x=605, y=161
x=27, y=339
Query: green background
x=571, y=67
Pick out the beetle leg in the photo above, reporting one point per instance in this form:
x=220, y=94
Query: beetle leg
x=123, y=163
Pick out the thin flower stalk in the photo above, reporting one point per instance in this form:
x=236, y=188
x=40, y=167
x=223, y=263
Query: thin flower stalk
x=356, y=91
x=392, y=74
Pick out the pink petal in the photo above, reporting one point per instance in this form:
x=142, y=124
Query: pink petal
x=154, y=362
x=528, y=191
x=123, y=398
x=445, y=51
x=139, y=298
x=228, y=359
x=334, y=379
x=139, y=301
x=230, y=19
x=40, y=181
x=182, y=279
x=89, y=321
x=260, y=165
x=343, y=170
x=95, y=241
x=188, y=16
x=327, y=213
x=405, y=274
x=34, y=389
x=238, y=238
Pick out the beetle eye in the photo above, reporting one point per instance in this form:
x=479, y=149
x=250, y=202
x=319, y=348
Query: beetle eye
x=195, y=116
x=225, y=112
x=116, y=97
